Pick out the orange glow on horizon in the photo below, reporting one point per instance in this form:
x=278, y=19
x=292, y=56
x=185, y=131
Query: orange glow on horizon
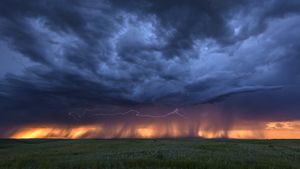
x=54, y=132
x=271, y=130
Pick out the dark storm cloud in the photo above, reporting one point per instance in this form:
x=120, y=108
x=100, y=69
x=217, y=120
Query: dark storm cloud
x=115, y=55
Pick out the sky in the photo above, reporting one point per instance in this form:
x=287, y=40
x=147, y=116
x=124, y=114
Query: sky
x=129, y=67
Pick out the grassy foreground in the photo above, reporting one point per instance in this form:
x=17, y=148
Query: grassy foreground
x=150, y=154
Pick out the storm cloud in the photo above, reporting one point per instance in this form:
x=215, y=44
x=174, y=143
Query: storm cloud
x=113, y=56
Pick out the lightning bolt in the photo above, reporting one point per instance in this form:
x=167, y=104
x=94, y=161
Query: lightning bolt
x=139, y=114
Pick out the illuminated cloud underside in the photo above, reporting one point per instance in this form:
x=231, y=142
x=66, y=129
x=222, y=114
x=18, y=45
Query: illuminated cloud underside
x=271, y=130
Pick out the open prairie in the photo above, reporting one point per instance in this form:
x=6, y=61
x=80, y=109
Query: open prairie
x=149, y=153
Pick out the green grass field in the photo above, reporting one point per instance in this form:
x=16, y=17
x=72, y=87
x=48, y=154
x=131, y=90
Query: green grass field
x=150, y=154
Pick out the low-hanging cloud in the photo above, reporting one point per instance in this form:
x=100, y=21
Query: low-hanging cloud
x=120, y=55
